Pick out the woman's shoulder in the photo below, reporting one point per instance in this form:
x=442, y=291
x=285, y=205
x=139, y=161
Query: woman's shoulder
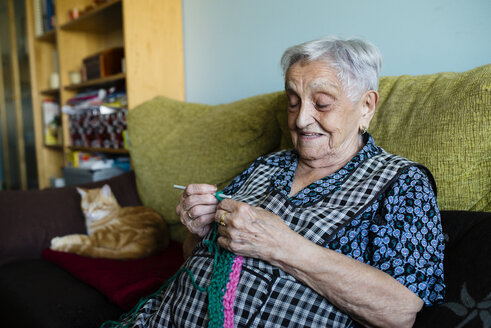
x=407, y=169
x=414, y=179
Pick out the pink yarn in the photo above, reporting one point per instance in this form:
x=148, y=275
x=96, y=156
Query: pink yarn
x=229, y=297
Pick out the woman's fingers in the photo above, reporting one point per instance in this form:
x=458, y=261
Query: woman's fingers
x=196, y=207
x=220, y=216
x=250, y=231
x=198, y=215
x=200, y=189
x=231, y=205
x=198, y=219
x=192, y=201
x=200, y=226
x=200, y=210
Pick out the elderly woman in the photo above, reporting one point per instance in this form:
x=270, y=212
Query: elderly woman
x=336, y=232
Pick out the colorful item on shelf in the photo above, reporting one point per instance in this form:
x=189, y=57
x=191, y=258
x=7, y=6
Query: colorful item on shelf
x=51, y=122
x=97, y=119
x=102, y=64
x=74, y=13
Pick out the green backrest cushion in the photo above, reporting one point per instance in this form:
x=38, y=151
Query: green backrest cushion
x=443, y=122
x=174, y=142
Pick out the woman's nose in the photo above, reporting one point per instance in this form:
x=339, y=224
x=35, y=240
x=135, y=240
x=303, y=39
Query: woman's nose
x=305, y=116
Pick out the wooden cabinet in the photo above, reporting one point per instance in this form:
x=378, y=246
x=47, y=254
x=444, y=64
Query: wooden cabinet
x=150, y=32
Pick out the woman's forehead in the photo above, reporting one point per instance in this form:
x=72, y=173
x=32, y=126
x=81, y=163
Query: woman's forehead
x=313, y=75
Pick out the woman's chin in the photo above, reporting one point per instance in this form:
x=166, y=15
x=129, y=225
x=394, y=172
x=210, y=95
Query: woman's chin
x=313, y=154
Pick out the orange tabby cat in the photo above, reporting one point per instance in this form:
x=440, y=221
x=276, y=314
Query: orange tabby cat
x=113, y=231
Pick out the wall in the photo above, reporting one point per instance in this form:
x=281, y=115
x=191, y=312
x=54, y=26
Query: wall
x=232, y=48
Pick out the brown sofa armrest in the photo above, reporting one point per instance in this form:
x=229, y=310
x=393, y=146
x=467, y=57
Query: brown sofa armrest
x=29, y=219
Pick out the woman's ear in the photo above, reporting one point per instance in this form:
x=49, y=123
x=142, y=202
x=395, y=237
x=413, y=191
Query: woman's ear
x=370, y=101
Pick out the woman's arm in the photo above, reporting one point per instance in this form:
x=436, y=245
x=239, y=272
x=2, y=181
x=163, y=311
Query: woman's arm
x=368, y=295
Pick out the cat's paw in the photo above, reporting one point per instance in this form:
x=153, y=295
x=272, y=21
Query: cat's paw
x=56, y=243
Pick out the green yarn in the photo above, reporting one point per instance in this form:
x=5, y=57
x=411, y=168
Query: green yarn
x=218, y=195
x=217, y=288
x=222, y=265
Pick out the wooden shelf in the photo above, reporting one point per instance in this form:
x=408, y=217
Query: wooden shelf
x=101, y=150
x=96, y=82
x=55, y=147
x=50, y=92
x=100, y=19
x=150, y=32
x=49, y=36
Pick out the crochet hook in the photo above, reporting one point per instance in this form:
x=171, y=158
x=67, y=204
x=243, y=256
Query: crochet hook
x=219, y=194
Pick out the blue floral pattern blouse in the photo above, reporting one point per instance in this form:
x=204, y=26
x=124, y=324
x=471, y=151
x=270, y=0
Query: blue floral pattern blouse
x=400, y=233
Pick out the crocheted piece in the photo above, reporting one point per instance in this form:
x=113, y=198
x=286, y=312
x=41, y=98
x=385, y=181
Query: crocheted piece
x=217, y=288
x=228, y=299
x=221, y=291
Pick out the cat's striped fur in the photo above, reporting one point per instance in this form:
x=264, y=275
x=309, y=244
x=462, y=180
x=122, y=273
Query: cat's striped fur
x=113, y=231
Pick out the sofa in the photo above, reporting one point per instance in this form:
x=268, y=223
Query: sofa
x=441, y=120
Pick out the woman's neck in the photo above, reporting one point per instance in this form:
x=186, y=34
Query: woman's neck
x=309, y=171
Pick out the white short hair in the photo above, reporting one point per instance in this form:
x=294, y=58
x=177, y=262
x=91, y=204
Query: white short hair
x=357, y=62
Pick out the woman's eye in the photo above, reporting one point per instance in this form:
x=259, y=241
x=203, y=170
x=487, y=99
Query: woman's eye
x=293, y=101
x=323, y=101
x=323, y=106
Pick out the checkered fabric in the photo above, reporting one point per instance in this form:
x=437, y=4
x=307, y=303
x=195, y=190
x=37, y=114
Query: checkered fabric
x=334, y=210
x=267, y=296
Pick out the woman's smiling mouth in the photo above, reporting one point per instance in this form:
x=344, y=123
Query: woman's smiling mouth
x=310, y=135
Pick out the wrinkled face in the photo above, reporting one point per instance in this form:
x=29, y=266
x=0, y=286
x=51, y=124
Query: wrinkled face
x=324, y=124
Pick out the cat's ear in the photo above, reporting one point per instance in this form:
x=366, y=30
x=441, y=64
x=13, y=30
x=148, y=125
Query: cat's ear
x=106, y=190
x=81, y=191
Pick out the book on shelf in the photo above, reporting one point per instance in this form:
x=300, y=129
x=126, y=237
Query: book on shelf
x=38, y=17
x=44, y=16
x=51, y=122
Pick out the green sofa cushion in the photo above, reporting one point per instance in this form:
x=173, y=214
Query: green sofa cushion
x=174, y=142
x=442, y=121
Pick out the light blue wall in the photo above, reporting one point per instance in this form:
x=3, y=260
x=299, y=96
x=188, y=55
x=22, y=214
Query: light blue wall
x=232, y=47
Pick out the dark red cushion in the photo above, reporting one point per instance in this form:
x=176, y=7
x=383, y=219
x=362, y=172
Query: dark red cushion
x=122, y=281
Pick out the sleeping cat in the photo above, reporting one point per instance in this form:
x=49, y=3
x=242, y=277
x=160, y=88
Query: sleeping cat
x=113, y=231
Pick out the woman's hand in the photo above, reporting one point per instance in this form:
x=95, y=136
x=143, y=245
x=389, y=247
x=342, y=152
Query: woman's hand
x=197, y=207
x=251, y=231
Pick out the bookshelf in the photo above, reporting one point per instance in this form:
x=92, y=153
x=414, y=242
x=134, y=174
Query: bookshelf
x=101, y=150
x=108, y=80
x=49, y=36
x=150, y=32
x=50, y=92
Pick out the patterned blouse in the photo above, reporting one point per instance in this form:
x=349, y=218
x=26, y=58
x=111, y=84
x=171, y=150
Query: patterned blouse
x=400, y=233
